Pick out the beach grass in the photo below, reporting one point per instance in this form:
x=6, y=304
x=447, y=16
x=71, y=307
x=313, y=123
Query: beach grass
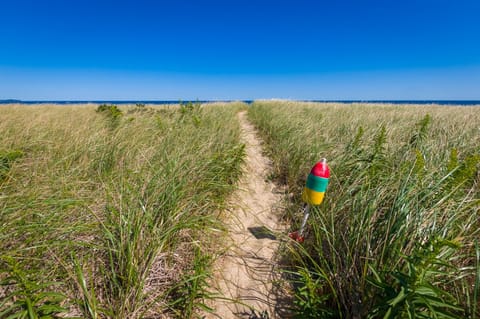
x=398, y=233
x=109, y=212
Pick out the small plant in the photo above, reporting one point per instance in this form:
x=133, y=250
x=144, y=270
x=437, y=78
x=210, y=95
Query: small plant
x=453, y=160
x=191, y=111
x=415, y=290
x=111, y=111
x=309, y=299
x=419, y=167
x=377, y=158
x=189, y=107
x=462, y=172
x=355, y=145
x=28, y=298
x=380, y=140
x=422, y=130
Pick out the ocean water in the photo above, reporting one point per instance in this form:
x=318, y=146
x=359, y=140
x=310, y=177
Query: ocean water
x=423, y=102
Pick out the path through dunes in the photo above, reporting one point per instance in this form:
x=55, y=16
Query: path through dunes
x=247, y=275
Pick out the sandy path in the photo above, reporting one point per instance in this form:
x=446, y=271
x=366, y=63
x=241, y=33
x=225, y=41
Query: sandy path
x=247, y=272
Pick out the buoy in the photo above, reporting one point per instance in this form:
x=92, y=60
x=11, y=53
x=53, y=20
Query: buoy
x=313, y=194
x=316, y=185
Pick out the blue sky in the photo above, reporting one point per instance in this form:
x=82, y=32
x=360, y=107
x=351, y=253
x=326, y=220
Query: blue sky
x=239, y=49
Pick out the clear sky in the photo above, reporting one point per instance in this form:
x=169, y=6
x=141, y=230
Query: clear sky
x=239, y=49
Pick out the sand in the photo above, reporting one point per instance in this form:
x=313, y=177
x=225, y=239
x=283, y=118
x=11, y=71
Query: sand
x=247, y=275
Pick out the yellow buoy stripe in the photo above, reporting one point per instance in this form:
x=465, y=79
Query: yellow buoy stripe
x=312, y=197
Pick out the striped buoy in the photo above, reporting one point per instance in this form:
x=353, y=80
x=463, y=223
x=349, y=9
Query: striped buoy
x=313, y=194
x=316, y=185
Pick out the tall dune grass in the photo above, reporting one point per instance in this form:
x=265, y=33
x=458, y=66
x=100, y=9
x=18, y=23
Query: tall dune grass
x=108, y=214
x=398, y=234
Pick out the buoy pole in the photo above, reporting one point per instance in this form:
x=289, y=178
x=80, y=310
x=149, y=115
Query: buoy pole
x=306, y=214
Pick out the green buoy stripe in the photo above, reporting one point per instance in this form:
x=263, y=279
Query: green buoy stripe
x=315, y=183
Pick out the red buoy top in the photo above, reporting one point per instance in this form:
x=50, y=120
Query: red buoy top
x=321, y=169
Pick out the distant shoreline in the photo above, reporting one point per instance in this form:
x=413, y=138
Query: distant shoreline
x=123, y=102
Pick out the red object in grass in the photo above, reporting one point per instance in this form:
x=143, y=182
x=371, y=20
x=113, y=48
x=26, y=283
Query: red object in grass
x=295, y=236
